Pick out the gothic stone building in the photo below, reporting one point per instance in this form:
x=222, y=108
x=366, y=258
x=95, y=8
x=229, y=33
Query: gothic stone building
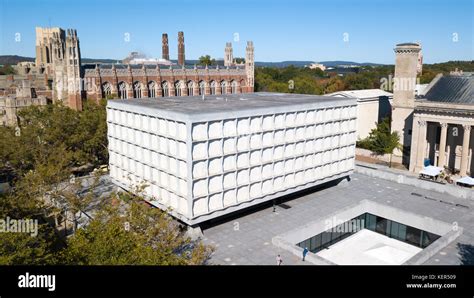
x=59, y=75
x=75, y=82
x=126, y=82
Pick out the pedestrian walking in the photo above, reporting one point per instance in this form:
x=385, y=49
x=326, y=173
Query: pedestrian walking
x=305, y=252
x=279, y=260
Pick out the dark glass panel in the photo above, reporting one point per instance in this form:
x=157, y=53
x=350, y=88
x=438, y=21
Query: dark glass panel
x=381, y=225
x=318, y=241
x=402, y=232
x=326, y=238
x=394, y=229
x=371, y=222
x=428, y=238
x=413, y=236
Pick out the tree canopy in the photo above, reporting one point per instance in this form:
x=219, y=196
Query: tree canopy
x=293, y=79
x=38, y=158
x=206, y=60
x=381, y=139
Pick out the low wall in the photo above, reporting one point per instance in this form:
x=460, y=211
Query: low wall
x=368, y=153
x=288, y=240
x=402, y=178
x=424, y=255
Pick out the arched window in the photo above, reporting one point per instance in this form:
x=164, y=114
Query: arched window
x=137, y=90
x=166, y=89
x=202, y=87
x=179, y=88
x=223, y=87
x=123, y=90
x=190, y=88
x=106, y=90
x=241, y=84
x=235, y=87
x=213, y=87
x=152, y=89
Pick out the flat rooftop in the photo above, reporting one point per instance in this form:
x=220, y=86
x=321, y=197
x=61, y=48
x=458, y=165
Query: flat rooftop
x=197, y=108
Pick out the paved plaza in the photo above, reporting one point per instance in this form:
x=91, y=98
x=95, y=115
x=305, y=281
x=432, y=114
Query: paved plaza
x=246, y=238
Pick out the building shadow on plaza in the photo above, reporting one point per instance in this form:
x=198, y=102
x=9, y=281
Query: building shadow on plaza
x=275, y=204
x=466, y=253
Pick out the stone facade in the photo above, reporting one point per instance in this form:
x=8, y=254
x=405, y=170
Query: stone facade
x=406, y=69
x=181, y=56
x=126, y=82
x=59, y=75
x=48, y=42
x=442, y=128
x=24, y=96
x=228, y=55
x=165, y=50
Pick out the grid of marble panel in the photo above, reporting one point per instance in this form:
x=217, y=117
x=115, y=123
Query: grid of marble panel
x=150, y=150
x=242, y=159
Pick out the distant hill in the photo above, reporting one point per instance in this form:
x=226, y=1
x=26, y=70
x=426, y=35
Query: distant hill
x=304, y=63
x=93, y=60
x=14, y=59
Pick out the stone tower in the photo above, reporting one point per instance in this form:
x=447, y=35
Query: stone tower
x=419, y=68
x=67, y=70
x=249, y=65
x=406, y=69
x=165, y=51
x=73, y=69
x=181, y=57
x=47, y=40
x=228, y=55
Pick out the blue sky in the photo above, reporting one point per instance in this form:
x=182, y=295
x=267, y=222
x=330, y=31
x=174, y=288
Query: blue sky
x=281, y=30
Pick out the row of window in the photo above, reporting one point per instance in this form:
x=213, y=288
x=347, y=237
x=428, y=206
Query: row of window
x=260, y=185
x=201, y=132
x=179, y=86
x=174, y=199
x=281, y=147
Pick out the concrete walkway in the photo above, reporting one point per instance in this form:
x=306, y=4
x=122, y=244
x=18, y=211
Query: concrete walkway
x=247, y=238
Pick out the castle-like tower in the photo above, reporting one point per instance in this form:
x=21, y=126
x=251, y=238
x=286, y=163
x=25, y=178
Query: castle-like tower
x=165, y=50
x=73, y=70
x=181, y=57
x=250, y=65
x=66, y=65
x=406, y=70
x=228, y=55
x=48, y=47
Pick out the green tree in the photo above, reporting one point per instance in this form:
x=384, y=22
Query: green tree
x=382, y=140
x=239, y=60
x=7, y=70
x=139, y=235
x=206, y=60
x=26, y=249
x=43, y=129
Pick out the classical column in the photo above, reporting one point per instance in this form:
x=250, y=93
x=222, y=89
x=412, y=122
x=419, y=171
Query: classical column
x=465, y=149
x=421, y=146
x=442, y=145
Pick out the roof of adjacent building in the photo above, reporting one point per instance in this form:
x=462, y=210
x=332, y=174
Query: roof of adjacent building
x=362, y=94
x=452, y=89
x=211, y=107
x=153, y=66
